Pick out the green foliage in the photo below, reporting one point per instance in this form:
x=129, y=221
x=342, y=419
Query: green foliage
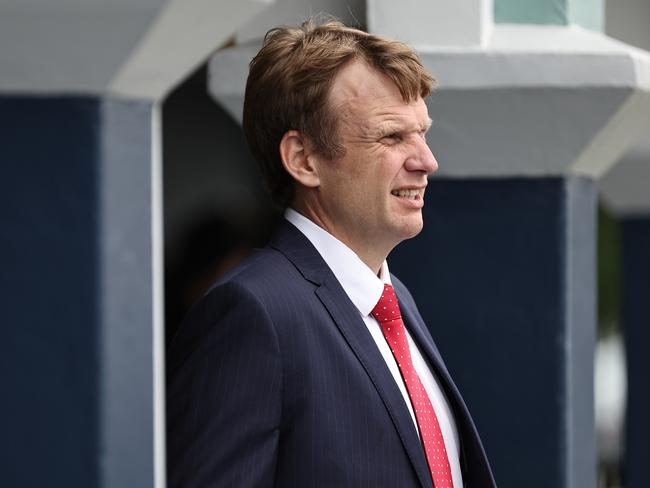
x=609, y=273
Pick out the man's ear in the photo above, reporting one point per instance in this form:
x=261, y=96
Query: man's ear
x=298, y=159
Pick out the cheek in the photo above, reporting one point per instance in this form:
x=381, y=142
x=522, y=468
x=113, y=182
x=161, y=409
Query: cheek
x=388, y=173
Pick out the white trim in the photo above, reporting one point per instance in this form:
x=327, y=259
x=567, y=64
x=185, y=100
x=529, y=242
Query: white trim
x=157, y=279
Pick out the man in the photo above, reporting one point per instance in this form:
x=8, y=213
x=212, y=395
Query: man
x=303, y=367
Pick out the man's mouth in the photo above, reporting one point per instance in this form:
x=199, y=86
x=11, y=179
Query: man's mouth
x=410, y=194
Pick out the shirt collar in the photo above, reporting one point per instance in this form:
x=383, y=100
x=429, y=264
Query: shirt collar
x=360, y=284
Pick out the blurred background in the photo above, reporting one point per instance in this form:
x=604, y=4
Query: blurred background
x=126, y=189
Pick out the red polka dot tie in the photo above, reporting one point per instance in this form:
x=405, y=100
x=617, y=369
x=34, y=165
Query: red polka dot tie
x=389, y=317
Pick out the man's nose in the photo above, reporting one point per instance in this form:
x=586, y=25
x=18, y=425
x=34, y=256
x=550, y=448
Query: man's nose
x=422, y=158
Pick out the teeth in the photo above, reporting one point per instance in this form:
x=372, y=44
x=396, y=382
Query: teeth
x=406, y=193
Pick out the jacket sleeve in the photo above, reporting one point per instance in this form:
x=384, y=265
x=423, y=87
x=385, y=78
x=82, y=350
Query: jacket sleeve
x=224, y=394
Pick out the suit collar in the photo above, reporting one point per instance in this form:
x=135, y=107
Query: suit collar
x=359, y=282
x=298, y=250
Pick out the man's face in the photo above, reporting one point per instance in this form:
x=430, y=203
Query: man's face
x=371, y=198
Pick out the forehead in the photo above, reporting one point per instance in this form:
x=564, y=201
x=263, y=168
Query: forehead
x=361, y=93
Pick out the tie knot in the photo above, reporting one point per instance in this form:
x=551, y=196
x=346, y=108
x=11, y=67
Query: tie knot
x=387, y=308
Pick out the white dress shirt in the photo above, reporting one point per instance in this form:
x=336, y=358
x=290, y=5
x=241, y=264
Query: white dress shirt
x=364, y=288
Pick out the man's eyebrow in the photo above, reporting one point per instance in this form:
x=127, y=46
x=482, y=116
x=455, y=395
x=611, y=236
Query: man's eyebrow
x=382, y=129
x=391, y=126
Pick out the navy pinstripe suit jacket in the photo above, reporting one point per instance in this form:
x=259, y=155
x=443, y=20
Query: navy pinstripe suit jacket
x=274, y=380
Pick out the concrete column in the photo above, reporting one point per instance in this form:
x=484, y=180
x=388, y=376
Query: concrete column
x=77, y=197
x=636, y=318
x=81, y=253
x=50, y=272
x=77, y=193
x=504, y=274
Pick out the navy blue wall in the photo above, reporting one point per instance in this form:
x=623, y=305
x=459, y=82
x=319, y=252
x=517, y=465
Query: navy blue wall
x=503, y=275
x=48, y=284
x=636, y=326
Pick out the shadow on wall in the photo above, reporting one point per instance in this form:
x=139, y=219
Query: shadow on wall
x=216, y=209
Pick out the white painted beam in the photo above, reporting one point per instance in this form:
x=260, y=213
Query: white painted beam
x=66, y=46
x=423, y=23
x=135, y=48
x=181, y=38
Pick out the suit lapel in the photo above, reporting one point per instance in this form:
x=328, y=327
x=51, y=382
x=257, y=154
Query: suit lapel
x=297, y=248
x=349, y=322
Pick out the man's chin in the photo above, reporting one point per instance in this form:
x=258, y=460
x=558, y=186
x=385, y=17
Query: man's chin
x=410, y=228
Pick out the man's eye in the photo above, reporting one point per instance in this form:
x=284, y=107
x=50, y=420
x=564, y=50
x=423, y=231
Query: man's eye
x=392, y=138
